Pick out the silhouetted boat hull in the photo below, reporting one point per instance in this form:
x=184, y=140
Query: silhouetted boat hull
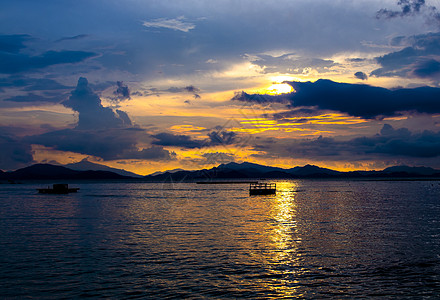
x=58, y=189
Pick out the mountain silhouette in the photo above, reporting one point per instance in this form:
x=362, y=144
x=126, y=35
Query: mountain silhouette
x=86, y=165
x=49, y=172
x=222, y=172
x=255, y=171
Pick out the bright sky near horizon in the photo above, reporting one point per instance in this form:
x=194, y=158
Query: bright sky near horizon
x=149, y=86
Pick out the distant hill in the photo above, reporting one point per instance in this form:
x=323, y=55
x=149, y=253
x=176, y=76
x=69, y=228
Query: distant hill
x=313, y=171
x=411, y=170
x=222, y=172
x=249, y=167
x=255, y=171
x=51, y=172
x=86, y=165
x=162, y=172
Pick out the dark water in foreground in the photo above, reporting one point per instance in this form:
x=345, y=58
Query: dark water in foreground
x=314, y=239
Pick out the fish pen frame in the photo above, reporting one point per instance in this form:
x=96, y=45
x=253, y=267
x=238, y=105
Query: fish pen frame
x=262, y=189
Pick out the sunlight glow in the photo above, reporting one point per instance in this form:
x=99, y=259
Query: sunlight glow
x=306, y=125
x=279, y=88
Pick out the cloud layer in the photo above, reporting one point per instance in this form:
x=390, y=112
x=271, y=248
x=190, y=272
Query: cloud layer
x=421, y=58
x=15, y=62
x=291, y=63
x=145, y=51
x=410, y=8
x=389, y=143
x=174, y=24
x=14, y=152
x=215, y=138
x=354, y=99
x=100, y=131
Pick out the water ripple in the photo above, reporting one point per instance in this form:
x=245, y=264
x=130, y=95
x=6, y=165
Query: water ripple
x=314, y=239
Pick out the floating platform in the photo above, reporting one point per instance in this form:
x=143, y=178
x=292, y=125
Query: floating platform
x=59, y=188
x=262, y=189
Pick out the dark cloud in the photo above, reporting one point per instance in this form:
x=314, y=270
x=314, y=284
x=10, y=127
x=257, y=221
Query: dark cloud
x=31, y=97
x=173, y=89
x=427, y=68
x=215, y=138
x=124, y=117
x=192, y=89
x=122, y=92
x=92, y=115
x=230, y=31
x=420, y=56
x=14, y=152
x=364, y=100
x=22, y=84
x=108, y=144
x=361, y=75
x=44, y=84
x=397, y=63
x=101, y=86
x=14, y=82
x=187, y=89
x=73, y=38
x=407, y=8
x=420, y=59
x=13, y=43
x=390, y=142
x=137, y=93
x=11, y=63
x=404, y=143
x=152, y=153
x=260, y=98
x=291, y=63
x=398, y=41
x=412, y=8
x=100, y=131
x=221, y=137
x=387, y=144
x=168, y=139
x=355, y=99
x=356, y=59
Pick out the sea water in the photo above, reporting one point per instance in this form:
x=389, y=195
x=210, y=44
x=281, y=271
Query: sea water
x=313, y=239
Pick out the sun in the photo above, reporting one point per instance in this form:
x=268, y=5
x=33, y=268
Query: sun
x=279, y=88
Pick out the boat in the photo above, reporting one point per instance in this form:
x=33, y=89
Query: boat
x=262, y=189
x=59, y=188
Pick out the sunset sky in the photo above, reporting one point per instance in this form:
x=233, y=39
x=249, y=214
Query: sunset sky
x=157, y=85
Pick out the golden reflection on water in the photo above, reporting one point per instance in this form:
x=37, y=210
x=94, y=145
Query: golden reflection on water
x=263, y=230
x=282, y=240
x=283, y=213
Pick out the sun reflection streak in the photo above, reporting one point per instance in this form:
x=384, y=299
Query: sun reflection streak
x=284, y=239
x=284, y=216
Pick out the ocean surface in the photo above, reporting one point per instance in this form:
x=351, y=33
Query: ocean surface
x=314, y=239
